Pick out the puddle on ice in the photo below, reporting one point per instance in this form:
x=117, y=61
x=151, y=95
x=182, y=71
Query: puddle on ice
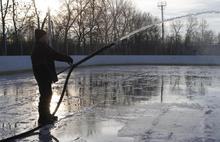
x=119, y=103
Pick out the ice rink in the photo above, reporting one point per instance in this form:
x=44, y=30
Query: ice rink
x=119, y=104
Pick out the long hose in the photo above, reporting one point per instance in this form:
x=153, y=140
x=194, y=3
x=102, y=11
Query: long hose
x=76, y=65
x=27, y=133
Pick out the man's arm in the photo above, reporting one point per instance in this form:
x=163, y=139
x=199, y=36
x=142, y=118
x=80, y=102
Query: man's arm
x=59, y=57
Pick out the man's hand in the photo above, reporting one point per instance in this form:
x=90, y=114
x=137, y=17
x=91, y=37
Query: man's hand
x=69, y=60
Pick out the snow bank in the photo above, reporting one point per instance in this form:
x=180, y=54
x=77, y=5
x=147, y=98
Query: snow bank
x=18, y=63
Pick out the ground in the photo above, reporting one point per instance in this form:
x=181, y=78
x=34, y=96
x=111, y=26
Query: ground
x=119, y=104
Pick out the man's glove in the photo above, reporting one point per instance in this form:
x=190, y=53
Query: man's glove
x=69, y=60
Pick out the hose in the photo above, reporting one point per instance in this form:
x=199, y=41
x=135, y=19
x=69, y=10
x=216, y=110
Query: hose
x=72, y=67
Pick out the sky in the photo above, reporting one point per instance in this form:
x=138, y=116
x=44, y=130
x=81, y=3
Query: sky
x=182, y=7
x=44, y=4
x=174, y=8
x=177, y=7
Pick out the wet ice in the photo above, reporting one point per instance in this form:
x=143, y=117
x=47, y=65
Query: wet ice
x=120, y=103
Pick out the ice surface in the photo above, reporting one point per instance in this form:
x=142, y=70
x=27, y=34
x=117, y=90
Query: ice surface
x=120, y=104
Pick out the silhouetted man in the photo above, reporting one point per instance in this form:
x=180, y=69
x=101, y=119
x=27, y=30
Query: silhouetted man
x=43, y=65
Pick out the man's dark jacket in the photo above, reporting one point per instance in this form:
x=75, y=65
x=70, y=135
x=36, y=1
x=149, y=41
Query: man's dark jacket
x=43, y=65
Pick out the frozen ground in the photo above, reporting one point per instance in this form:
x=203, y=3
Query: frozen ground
x=120, y=104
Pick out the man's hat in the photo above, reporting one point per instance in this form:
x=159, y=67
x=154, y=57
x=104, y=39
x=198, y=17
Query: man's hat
x=39, y=33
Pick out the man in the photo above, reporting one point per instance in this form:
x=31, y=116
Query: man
x=43, y=65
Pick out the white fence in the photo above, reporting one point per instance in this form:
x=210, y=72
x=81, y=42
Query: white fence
x=19, y=63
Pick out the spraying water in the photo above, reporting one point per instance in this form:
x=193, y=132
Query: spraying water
x=168, y=20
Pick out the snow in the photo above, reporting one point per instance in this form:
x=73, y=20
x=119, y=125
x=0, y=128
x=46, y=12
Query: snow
x=120, y=103
x=19, y=63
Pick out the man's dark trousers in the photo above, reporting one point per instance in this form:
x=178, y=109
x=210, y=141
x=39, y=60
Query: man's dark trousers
x=45, y=99
x=44, y=84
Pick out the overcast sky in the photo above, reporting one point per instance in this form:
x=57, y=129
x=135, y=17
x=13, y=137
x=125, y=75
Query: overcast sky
x=174, y=8
x=181, y=7
x=177, y=7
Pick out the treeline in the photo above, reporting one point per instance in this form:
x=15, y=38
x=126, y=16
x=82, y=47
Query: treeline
x=82, y=26
x=190, y=36
x=79, y=27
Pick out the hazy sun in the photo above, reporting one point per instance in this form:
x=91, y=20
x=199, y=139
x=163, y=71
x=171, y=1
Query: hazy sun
x=43, y=5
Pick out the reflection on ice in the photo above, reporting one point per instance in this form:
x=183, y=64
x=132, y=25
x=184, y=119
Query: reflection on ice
x=128, y=103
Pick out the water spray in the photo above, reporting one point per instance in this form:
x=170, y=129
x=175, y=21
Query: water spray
x=168, y=20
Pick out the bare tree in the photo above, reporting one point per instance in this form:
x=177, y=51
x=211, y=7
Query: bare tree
x=19, y=21
x=14, y=15
x=117, y=12
x=176, y=27
x=92, y=22
x=85, y=25
x=4, y=8
x=105, y=23
x=191, y=28
x=40, y=25
x=218, y=38
x=70, y=17
x=37, y=14
x=207, y=36
x=203, y=26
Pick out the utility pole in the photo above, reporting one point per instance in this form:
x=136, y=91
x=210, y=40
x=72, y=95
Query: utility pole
x=162, y=6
